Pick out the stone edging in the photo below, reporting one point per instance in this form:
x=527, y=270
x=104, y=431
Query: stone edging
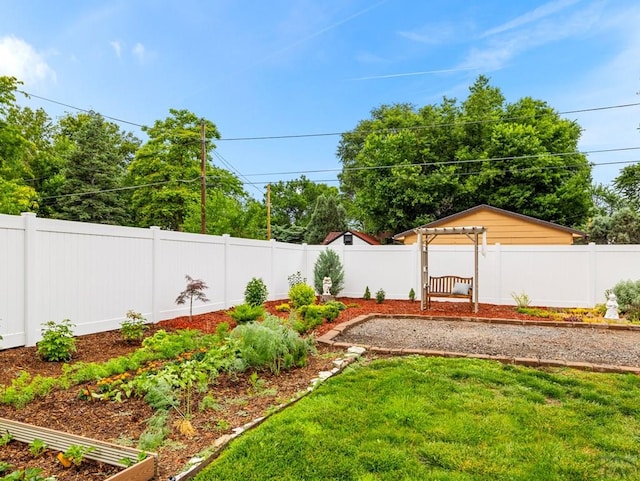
x=198, y=463
x=328, y=338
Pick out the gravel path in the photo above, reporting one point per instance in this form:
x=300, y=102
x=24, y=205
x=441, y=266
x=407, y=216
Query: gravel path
x=597, y=346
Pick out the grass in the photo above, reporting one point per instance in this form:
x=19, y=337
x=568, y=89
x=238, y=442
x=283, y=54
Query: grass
x=419, y=418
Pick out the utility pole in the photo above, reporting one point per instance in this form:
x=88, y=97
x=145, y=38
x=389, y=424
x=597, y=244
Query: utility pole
x=203, y=181
x=268, y=211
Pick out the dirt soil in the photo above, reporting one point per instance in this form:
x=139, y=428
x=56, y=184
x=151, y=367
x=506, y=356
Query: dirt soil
x=122, y=423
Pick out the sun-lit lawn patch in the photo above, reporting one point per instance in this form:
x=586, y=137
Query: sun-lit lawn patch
x=447, y=419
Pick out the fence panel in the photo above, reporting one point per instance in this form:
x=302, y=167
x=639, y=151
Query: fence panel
x=93, y=274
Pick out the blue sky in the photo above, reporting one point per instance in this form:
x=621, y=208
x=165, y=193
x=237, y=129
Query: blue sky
x=284, y=67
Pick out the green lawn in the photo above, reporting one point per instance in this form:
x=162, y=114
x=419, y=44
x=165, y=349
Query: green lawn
x=417, y=418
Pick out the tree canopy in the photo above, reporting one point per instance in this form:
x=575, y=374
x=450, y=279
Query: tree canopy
x=407, y=166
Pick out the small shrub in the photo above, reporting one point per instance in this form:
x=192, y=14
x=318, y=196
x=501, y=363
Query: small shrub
x=271, y=345
x=133, y=327
x=380, y=295
x=367, y=294
x=312, y=316
x=284, y=307
x=328, y=265
x=522, y=299
x=628, y=296
x=194, y=290
x=412, y=295
x=57, y=341
x=301, y=295
x=341, y=306
x=255, y=294
x=330, y=312
x=244, y=313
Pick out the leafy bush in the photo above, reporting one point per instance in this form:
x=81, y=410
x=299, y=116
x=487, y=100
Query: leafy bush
x=57, y=341
x=367, y=294
x=302, y=295
x=341, y=306
x=628, y=294
x=312, y=316
x=328, y=265
x=194, y=290
x=255, y=294
x=412, y=295
x=244, y=313
x=133, y=327
x=271, y=345
x=330, y=312
x=380, y=295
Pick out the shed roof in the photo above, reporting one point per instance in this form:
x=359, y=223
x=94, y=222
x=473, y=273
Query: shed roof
x=332, y=236
x=464, y=213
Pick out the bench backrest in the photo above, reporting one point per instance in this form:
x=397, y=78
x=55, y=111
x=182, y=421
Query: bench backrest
x=446, y=283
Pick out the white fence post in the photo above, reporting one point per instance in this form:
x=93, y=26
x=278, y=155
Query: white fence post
x=592, y=276
x=155, y=276
x=31, y=321
x=225, y=271
x=498, y=274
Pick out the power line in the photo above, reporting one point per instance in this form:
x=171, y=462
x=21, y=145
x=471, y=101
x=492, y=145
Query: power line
x=334, y=134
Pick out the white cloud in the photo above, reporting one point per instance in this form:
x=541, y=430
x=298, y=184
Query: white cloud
x=536, y=14
x=139, y=51
x=21, y=60
x=500, y=49
x=116, y=47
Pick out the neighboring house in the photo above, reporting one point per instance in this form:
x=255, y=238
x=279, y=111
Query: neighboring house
x=350, y=237
x=503, y=226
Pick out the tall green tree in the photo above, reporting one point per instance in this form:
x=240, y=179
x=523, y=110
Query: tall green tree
x=292, y=204
x=404, y=167
x=328, y=216
x=627, y=183
x=96, y=154
x=166, y=170
x=16, y=195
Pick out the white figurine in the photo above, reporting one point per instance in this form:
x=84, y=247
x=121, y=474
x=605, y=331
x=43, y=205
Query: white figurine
x=326, y=286
x=612, y=307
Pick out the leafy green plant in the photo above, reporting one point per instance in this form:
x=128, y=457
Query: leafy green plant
x=6, y=438
x=367, y=294
x=255, y=294
x=522, y=299
x=209, y=402
x=412, y=295
x=328, y=265
x=284, y=307
x=194, y=290
x=77, y=452
x=272, y=345
x=301, y=295
x=37, y=447
x=380, y=295
x=153, y=436
x=133, y=327
x=628, y=296
x=244, y=313
x=312, y=316
x=29, y=474
x=57, y=341
x=130, y=462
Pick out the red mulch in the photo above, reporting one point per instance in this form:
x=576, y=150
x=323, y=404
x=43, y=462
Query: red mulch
x=124, y=422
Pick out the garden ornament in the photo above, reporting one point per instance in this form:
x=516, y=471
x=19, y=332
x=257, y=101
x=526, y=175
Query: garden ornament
x=326, y=286
x=612, y=307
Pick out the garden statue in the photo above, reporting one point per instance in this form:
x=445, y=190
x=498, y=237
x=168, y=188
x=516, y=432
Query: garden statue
x=612, y=307
x=326, y=286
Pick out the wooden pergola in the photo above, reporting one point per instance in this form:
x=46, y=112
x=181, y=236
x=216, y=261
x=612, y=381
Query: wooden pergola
x=427, y=234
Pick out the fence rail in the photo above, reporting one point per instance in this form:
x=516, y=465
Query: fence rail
x=93, y=274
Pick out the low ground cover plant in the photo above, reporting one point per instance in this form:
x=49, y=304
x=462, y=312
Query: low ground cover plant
x=435, y=418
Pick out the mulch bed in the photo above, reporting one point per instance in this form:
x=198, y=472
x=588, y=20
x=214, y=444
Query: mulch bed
x=124, y=422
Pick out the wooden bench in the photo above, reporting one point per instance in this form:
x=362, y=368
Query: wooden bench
x=443, y=286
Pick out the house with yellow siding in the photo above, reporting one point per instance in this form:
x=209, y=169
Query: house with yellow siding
x=503, y=226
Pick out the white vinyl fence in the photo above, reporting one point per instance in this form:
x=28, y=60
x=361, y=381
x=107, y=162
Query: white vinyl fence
x=93, y=274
